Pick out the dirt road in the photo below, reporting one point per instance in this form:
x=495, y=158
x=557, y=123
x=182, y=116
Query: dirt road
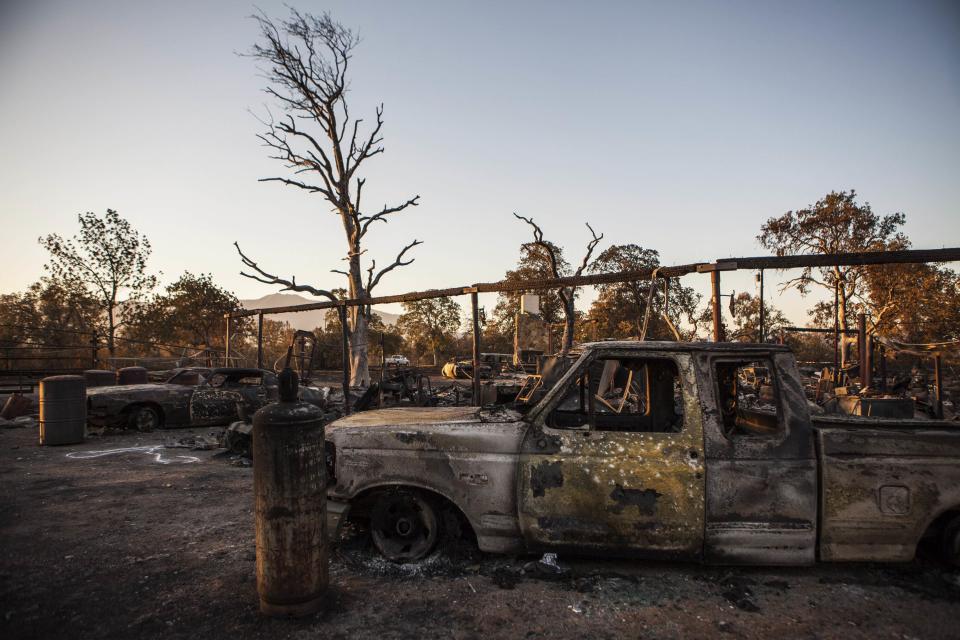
x=157, y=542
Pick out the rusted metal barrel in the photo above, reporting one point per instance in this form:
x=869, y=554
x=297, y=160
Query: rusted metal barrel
x=289, y=484
x=132, y=375
x=63, y=409
x=99, y=378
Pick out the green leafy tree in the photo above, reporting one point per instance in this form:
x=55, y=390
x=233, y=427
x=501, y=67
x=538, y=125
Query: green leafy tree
x=429, y=325
x=620, y=307
x=189, y=312
x=105, y=262
x=392, y=339
x=47, y=326
x=746, y=319
x=835, y=224
x=532, y=265
x=917, y=303
x=277, y=336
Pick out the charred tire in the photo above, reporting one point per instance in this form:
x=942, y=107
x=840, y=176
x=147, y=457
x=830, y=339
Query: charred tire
x=951, y=542
x=404, y=525
x=144, y=418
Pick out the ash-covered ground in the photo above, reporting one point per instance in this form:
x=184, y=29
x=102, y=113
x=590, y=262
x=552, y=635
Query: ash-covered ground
x=159, y=542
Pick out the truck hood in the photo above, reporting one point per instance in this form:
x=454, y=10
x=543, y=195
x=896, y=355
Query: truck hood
x=117, y=390
x=463, y=429
x=406, y=416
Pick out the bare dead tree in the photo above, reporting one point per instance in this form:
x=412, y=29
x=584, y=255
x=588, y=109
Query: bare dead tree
x=567, y=295
x=305, y=60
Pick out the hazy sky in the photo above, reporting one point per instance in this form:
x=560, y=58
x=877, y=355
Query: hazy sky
x=678, y=126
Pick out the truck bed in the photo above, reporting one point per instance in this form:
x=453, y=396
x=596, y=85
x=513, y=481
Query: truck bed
x=882, y=483
x=859, y=422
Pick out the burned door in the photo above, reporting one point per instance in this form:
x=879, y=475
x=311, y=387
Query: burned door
x=256, y=390
x=761, y=465
x=214, y=403
x=616, y=463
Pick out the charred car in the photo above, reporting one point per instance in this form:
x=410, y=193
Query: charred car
x=694, y=451
x=188, y=398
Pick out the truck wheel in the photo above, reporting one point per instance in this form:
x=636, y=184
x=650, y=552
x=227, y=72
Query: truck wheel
x=951, y=542
x=404, y=526
x=144, y=418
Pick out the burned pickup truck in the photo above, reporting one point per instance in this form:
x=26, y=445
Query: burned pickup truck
x=695, y=451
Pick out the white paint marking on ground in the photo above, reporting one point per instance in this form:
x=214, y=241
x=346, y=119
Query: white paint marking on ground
x=154, y=450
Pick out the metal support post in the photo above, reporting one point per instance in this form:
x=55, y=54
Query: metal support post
x=883, y=368
x=259, y=341
x=383, y=365
x=937, y=387
x=717, y=318
x=862, y=348
x=666, y=296
x=302, y=356
x=226, y=343
x=762, y=314
x=94, y=349
x=476, y=348
x=345, y=350
x=836, y=332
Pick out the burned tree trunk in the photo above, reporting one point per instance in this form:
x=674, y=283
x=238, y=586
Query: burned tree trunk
x=357, y=338
x=306, y=59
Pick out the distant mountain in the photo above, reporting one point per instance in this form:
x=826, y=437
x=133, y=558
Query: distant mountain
x=307, y=320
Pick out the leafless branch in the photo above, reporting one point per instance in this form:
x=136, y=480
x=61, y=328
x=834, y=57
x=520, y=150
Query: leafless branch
x=539, y=241
x=366, y=221
x=367, y=149
x=590, y=247
x=370, y=270
x=269, y=278
x=398, y=262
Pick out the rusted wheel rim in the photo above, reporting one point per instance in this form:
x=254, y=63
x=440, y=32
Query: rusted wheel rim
x=403, y=526
x=146, y=419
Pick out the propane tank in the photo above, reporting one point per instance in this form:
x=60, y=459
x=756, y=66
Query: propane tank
x=289, y=484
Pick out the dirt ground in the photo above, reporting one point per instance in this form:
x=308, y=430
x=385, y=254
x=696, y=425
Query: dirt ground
x=160, y=543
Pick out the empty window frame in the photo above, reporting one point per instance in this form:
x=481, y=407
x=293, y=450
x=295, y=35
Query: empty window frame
x=747, y=398
x=639, y=395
